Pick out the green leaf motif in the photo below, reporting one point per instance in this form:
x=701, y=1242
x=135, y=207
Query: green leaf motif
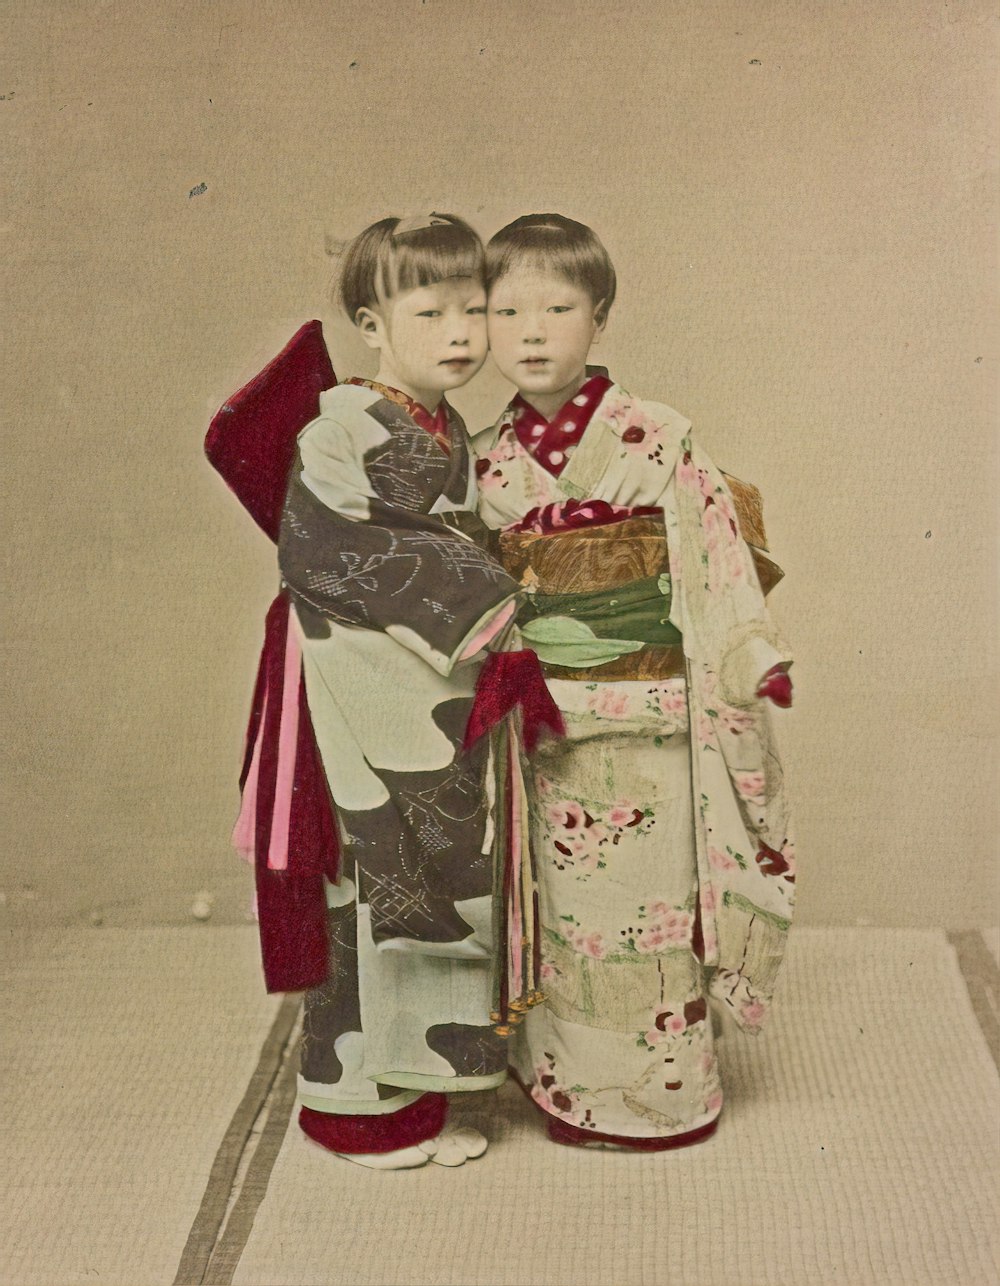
x=738, y=858
x=561, y=640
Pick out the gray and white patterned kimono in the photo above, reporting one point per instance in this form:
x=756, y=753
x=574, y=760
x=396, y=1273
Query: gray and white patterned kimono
x=387, y=596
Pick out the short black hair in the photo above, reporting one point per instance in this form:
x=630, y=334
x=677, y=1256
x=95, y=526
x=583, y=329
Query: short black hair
x=558, y=244
x=394, y=255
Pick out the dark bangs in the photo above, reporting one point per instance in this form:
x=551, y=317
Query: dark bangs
x=396, y=255
x=553, y=243
x=437, y=252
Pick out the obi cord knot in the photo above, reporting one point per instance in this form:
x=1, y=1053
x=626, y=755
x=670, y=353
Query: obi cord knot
x=509, y=681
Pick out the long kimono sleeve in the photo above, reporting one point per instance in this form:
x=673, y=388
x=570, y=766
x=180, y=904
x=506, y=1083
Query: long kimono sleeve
x=721, y=609
x=359, y=543
x=746, y=852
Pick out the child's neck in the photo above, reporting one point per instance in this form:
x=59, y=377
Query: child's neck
x=548, y=404
x=429, y=399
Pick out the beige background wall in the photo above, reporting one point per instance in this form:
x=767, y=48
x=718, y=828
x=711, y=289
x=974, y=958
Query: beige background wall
x=799, y=196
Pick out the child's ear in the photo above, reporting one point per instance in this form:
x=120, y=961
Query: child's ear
x=369, y=323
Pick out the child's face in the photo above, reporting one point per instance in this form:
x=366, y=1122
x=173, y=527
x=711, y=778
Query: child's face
x=541, y=327
x=430, y=339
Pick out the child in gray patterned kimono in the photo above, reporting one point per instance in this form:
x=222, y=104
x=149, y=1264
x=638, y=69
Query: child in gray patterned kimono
x=659, y=824
x=393, y=605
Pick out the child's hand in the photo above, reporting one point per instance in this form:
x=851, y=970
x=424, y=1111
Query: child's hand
x=776, y=686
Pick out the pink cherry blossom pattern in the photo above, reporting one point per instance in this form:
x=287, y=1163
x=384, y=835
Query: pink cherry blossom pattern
x=652, y=938
x=687, y=475
x=675, y=923
x=666, y=1022
x=567, y=814
x=671, y=696
x=734, y=720
x=750, y=786
x=622, y=814
x=491, y=472
x=550, y=1095
x=753, y=1012
x=611, y=704
x=720, y=861
x=588, y=944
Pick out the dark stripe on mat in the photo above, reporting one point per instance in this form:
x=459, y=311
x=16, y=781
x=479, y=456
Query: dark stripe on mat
x=239, y=1225
x=207, y=1222
x=982, y=977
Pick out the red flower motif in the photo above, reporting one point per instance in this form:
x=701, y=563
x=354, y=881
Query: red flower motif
x=770, y=861
x=695, y=1011
x=634, y=434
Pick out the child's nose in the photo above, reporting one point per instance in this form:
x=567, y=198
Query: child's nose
x=534, y=331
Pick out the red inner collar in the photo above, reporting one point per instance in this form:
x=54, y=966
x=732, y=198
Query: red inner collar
x=550, y=441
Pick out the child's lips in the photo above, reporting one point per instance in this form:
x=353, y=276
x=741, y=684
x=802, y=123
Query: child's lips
x=456, y=361
x=534, y=361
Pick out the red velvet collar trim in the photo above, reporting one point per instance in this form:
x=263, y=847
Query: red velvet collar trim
x=550, y=442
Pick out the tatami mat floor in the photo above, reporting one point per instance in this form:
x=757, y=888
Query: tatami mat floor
x=147, y=1098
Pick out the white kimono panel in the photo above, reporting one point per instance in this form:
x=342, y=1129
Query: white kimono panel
x=660, y=824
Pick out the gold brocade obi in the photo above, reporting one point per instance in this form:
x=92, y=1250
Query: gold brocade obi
x=609, y=587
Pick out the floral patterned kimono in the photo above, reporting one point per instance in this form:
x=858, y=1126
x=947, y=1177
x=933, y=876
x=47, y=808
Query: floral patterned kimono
x=659, y=823
x=387, y=594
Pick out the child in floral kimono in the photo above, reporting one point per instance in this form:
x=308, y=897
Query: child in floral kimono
x=391, y=603
x=659, y=823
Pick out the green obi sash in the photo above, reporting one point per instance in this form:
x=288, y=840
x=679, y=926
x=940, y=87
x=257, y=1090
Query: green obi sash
x=597, y=626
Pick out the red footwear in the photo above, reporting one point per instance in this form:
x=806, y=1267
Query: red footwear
x=563, y=1132
x=387, y=1132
